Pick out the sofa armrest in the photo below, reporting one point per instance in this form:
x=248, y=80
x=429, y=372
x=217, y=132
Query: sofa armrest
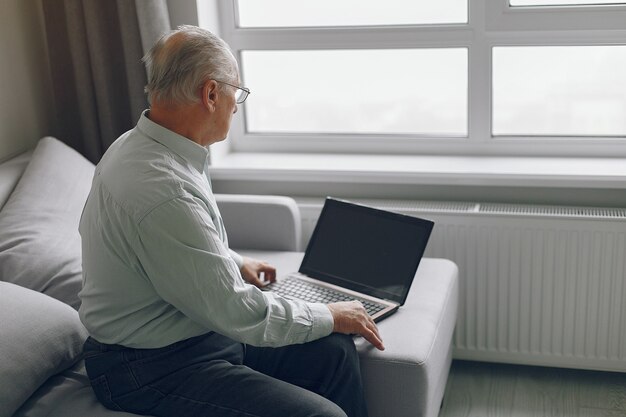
x=261, y=222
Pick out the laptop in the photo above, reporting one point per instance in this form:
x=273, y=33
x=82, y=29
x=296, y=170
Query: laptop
x=359, y=253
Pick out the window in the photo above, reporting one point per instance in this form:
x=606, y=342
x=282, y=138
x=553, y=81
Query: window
x=559, y=91
x=510, y=77
x=328, y=13
x=343, y=91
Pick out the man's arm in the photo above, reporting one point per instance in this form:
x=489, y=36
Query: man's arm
x=191, y=268
x=348, y=317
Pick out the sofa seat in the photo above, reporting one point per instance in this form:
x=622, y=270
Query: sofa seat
x=409, y=377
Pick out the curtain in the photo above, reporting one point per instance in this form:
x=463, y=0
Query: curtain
x=95, y=49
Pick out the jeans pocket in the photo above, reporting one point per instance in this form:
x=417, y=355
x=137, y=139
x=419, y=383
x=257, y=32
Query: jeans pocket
x=87, y=355
x=100, y=387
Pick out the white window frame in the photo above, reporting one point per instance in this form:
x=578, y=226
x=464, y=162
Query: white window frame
x=491, y=23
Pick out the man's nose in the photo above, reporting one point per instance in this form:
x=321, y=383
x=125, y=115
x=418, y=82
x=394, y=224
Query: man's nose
x=236, y=108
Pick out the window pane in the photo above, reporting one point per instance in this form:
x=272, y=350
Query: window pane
x=415, y=91
x=562, y=2
x=290, y=13
x=559, y=90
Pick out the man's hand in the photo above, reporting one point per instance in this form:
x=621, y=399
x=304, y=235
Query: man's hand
x=252, y=271
x=351, y=318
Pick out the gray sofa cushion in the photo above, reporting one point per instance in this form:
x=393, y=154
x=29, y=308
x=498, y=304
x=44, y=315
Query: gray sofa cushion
x=39, y=337
x=39, y=240
x=10, y=173
x=67, y=394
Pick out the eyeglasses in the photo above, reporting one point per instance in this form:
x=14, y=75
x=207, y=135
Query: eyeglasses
x=240, y=95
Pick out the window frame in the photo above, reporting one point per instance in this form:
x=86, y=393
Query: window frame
x=491, y=23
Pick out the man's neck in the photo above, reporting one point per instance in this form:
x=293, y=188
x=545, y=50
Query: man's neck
x=179, y=119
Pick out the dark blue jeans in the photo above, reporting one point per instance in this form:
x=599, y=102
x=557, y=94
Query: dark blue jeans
x=213, y=376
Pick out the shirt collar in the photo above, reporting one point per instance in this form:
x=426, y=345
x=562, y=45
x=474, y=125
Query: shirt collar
x=196, y=154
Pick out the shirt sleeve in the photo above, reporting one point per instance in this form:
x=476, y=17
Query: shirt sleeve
x=237, y=258
x=192, y=269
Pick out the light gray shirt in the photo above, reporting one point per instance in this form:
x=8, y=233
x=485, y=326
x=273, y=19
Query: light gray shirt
x=156, y=264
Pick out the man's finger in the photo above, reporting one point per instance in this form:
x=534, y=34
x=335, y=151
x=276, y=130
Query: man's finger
x=372, y=326
x=369, y=323
x=256, y=282
x=371, y=337
x=270, y=274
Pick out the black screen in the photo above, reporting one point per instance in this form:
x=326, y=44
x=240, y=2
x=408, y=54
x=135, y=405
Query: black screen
x=365, y=249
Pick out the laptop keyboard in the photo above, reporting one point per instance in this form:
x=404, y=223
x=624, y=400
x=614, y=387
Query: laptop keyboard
x=295, y=288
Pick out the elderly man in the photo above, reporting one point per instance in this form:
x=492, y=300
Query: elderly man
x=178, y=325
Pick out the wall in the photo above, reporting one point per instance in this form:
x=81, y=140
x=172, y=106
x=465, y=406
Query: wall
x=26, y=99
x=182, y=12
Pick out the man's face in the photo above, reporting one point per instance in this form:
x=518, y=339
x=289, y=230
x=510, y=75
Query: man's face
x=226, y=108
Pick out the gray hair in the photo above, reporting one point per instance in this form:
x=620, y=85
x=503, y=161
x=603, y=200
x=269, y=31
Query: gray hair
x=177, y=69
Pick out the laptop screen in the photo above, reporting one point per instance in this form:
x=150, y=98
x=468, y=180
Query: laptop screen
x=372, y=251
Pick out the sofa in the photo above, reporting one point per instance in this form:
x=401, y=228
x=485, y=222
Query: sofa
x=42, y=193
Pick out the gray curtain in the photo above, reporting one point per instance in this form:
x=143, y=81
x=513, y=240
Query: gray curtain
x=95, y=49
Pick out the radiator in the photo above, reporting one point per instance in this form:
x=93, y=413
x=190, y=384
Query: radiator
x=539, y=285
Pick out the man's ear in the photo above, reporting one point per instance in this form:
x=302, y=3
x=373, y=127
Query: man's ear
x=210, y=94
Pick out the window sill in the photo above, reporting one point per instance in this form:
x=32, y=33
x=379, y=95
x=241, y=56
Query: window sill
x=599, y=173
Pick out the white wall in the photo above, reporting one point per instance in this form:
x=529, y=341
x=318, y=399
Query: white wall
x=202, y=13
x=182, y=12
x=26, y=111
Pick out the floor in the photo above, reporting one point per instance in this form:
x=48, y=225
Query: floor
x=478, y=389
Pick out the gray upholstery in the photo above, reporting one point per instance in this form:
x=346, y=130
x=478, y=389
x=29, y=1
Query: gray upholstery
x=407, y=379
x=39, y=337
x=279, y=230
x=67, y=394
x=11, y=172
x=39, y=240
